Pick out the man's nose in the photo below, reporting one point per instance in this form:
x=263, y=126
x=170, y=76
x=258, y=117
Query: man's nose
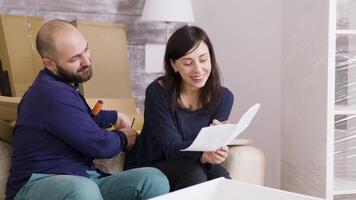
x=85, y=60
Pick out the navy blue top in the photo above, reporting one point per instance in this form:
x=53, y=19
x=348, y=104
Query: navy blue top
x=165, y=133
x=55, y=133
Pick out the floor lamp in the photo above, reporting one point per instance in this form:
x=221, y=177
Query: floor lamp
x=168, y=11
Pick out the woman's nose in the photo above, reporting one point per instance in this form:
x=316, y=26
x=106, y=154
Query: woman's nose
x=198, y=66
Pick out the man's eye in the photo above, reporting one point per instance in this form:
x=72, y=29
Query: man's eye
x=73, y=59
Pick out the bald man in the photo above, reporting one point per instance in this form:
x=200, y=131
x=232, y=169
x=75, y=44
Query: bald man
x=56, y=138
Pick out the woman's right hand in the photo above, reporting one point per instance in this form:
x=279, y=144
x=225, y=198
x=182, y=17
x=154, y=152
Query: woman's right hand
x=215, y=157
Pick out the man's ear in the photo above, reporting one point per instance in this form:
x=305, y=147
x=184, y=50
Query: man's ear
x=49, y=64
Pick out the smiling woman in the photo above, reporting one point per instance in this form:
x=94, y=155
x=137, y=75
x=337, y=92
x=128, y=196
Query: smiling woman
x=187, y=98
x=194, y=69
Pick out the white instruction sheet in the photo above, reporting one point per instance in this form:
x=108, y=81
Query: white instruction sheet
x=213, y=137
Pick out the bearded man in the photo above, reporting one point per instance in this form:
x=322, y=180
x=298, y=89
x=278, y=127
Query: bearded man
x=56, y=138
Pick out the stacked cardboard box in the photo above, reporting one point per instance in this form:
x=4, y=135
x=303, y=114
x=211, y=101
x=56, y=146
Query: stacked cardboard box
x=18, y=50
x=111, y=70
x=5, y=89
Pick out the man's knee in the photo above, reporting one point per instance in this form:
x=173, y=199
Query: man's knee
x=60, y=187
x=82, y=188
x=153, y=181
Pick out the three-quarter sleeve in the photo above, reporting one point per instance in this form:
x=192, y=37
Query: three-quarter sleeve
x=223, y=109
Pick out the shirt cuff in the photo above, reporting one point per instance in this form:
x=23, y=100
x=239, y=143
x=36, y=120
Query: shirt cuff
x=113, y=116
x=123, y=138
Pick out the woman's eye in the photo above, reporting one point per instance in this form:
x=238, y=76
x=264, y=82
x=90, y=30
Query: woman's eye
x=187, y=64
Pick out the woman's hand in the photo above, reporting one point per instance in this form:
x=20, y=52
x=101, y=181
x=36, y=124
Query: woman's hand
x=217, y=122
x=215, y=157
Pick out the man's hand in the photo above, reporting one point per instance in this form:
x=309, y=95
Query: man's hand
x=215, y=157
x=131, y=135
x=122, y=121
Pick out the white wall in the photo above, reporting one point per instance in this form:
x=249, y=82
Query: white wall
x=247, y=37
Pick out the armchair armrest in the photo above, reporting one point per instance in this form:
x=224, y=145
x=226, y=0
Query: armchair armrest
x=8, y=108
x=245, y=163
x=239, y=142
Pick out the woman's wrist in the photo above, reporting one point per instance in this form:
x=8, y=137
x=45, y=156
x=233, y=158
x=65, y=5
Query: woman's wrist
x=203, y=159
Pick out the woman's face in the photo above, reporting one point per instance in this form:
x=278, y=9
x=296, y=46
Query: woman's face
x=194, y=68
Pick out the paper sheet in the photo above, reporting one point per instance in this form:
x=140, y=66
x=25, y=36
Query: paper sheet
x=213, y=137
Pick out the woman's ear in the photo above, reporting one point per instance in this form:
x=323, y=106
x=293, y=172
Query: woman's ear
x=173, y=64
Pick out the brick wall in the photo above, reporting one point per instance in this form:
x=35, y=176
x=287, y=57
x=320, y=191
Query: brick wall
x=127, y=12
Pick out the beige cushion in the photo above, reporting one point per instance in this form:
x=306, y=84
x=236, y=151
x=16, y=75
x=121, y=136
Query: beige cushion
x=111, y=166
x=5, y=161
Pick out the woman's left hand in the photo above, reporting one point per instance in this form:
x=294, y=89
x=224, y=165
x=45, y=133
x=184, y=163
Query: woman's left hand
x=217, y=122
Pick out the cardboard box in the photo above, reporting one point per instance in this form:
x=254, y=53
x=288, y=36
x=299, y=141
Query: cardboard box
x=8, y=108
x=111, y=70
x=18, y=50
x=123, y=105
x=225, y=189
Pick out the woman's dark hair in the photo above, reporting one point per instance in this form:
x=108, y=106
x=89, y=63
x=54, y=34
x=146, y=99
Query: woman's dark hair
x=179, y=45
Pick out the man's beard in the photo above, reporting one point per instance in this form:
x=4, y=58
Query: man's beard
x=79, y=77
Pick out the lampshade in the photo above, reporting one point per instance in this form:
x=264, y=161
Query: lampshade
x=168, y=11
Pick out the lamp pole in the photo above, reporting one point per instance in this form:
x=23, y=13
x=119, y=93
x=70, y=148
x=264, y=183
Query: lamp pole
x=167, y=30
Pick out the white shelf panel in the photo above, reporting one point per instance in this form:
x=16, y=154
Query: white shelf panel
x=346, y=32
x=343, y=186
x=345, y=110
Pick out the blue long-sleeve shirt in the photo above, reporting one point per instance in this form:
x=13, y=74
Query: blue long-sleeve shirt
x=55, y=133
x=165, y=133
